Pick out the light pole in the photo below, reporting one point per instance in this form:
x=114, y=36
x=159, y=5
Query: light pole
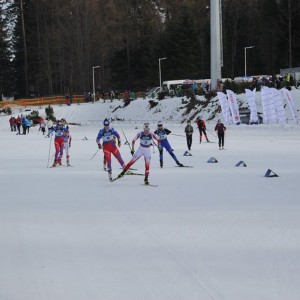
x=245, y=49
x=162, y=58
x=95, y=67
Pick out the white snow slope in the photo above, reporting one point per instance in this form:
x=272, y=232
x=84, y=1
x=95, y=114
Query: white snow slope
x=214, y=231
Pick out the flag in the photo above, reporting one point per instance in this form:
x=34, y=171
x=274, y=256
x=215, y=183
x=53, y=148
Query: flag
x=289, y=99
x=250, y=96
x=224, y=106
x=233, y=107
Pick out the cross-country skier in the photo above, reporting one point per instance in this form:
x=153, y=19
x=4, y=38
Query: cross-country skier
x=202, y=128
x=67, y=141
x=146, y=137
x=189, y=130
x=220, y=128
x=109, y=147
x=59, y=130
x=162, y=133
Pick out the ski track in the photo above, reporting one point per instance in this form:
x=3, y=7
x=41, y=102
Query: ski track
x=206, y=292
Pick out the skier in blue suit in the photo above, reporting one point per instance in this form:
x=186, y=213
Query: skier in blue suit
x=162, y=133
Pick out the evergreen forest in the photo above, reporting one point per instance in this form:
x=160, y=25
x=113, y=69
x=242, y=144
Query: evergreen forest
x=49, y=47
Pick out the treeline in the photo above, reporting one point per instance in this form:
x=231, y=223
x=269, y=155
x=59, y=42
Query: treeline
x=64, y=40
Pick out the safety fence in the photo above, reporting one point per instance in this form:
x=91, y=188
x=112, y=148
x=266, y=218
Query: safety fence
x=62, y=100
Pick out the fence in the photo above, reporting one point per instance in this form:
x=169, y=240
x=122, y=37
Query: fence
x=60, y=100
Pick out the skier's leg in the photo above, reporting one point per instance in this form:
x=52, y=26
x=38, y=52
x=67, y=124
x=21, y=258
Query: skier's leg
x=147, y=157
x=61, y=150
x=117, y=155
x=205, y=135
x=56, y=146
x=107, y=155
x=134, y=158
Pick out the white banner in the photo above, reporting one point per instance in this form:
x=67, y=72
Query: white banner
x=224, y=106
x=250, y=96
x=278, y=105
x=289, y=99
x=268, y=106
x=233, y=107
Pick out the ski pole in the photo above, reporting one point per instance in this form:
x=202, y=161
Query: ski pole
x=94, y=154
x=212, y=133
x=126, y=140
x=49, y=151
x=177, y=134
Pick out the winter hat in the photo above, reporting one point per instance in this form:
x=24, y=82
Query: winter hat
x=159, y=124
x=146, y=127
x=106, y=122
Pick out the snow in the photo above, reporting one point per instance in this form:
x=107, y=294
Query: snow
x=214, y=231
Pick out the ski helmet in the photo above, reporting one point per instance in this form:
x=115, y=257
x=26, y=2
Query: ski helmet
x=106, y=122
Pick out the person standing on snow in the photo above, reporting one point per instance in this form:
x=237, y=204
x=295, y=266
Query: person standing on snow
x=189, y=130
x=42, y=126
x=59, y=130
x=202, y=128
x=220, y=128
x=162, y=133
x=49, y=126
x=18, y=122
x=67, y=141
x=146, y=138
x=109, y=147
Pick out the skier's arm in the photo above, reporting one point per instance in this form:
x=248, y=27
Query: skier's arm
x=99, y=136
x=167, y=131
x=116, y=134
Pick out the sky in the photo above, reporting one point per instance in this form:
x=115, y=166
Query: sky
x=214, y=231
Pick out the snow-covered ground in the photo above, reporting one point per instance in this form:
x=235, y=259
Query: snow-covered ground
x=215, y=231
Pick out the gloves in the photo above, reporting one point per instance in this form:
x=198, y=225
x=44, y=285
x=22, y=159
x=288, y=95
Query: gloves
x=159, y=147
x=132, y=151
x=119, y=144
x=99, y=146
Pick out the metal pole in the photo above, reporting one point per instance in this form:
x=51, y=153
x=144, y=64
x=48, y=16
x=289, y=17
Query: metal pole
x=215, y=43
x=93, y=84
x=159, y=68
x=245, y=48
x=290, y=34
x=245, y=61
x=96, y=67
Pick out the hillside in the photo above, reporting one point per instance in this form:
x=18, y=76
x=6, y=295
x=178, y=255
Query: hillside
x=170, y=110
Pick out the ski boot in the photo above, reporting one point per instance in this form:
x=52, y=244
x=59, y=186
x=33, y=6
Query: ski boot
x=179, y=164
x=54, y=164
x=104, y=167
x=68, y=163
x=146, y=181
x=122, y=174
x=109, y=176
x=161, y=163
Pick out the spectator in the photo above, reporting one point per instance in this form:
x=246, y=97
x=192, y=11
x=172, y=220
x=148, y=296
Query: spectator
x=18, y=123
x=189, y=134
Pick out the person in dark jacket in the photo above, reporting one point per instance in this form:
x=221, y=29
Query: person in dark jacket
x=220, y=129
x=189, y=130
